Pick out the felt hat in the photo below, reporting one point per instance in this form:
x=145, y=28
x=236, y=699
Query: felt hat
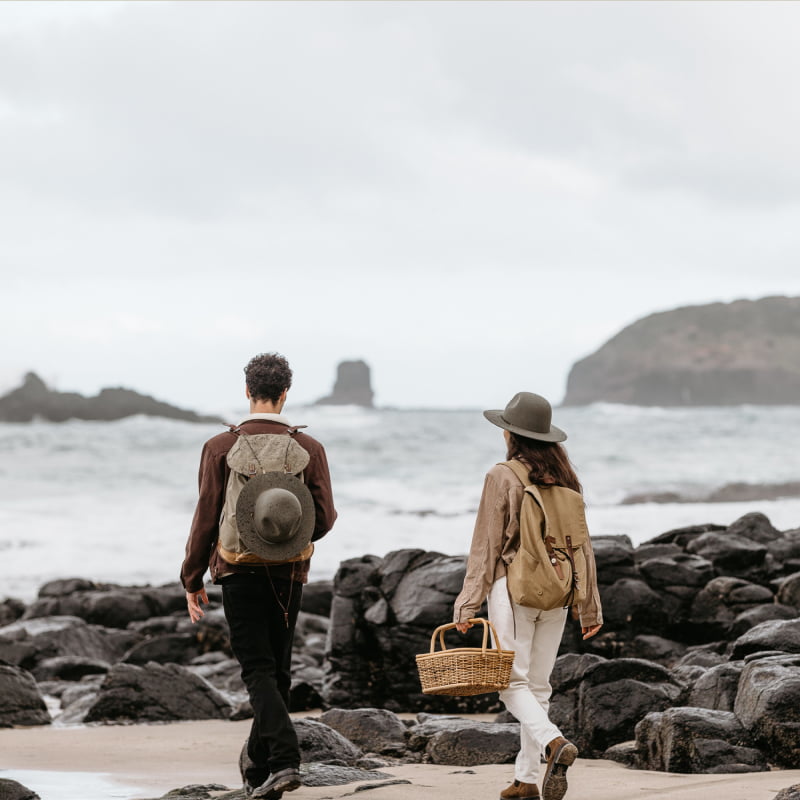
x=527, y=414
x=275, y=516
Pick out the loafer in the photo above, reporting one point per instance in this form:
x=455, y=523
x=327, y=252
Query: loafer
x=284, y=780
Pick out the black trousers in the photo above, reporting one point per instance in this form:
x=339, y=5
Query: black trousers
x=261, y=639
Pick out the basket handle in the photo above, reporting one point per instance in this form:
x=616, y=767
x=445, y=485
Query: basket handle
x=486, y=625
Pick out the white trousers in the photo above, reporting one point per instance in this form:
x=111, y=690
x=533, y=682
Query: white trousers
x=535, y=644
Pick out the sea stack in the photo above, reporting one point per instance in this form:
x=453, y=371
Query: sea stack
x=352, y=386
x=722, y=354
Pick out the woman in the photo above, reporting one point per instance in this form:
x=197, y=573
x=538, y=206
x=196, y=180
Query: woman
x=534, y=635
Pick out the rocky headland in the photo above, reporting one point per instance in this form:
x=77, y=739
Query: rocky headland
x=718, y=354
x=352, y=387
x=697, y=668
x=34, y=400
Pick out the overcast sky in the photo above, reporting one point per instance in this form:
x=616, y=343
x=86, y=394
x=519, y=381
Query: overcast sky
x=470, y=196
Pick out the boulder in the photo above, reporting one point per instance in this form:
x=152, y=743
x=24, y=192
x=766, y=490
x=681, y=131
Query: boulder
x=730, y=554
x=374, y=730
x=464, y=742
x=696, y=740
x=716, y=606
x=317, y=597
x=789, y=591
x=756, y=527
x=612, y=698
x=319, y=742
x=676, y=570
x=630, y=605
x=315, y=774
x=29, y=641
x=716, y=687
x=781, y=635
x=12, y=790
x=11, y=610
x=789, y=793
x=69, y=668
x=751, y=617
x=614, y=558
x=768, y=706
x=20, y=700
x=168, y=648
x=156, y=693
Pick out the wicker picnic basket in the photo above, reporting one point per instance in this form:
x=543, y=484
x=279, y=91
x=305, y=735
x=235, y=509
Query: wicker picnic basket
x=465, y=671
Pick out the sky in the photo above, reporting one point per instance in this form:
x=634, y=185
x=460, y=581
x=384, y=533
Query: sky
x=470, y=196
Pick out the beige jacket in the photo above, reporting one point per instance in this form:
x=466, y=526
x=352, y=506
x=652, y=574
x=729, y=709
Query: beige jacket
x=495, y=542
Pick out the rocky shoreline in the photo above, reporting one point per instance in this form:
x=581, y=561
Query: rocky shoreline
x=696, y=670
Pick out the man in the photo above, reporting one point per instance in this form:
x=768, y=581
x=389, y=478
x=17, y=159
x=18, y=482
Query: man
x=265, y=495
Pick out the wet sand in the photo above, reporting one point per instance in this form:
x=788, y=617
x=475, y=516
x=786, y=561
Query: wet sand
x=144, y=761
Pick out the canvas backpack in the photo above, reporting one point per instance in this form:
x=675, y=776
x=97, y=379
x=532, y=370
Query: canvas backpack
x=549, y=569
x=250, y=455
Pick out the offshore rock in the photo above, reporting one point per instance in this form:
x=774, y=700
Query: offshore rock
x=352, y=386
x=34, y=399
x=717, y=354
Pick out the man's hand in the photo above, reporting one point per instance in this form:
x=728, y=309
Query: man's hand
x=590, y=630
x=193, y=600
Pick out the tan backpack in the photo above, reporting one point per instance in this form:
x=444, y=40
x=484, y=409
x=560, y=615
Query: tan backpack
x=549, y=569
x=252, y=454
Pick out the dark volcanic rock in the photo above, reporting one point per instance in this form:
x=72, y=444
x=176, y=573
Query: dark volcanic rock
x=352, y=386
x=718, y=354
x=315, y=774
x=696, y=740
x=33, y=399
x=29, y=641
x=614, y=696
x=20, y=700
x=716, y=687
x=789, y=591
x=156, y=693
x=374, y=730
x=768, y=706
x=319, y=742
x=12, y=790
x=464, y=742
x=789, y=793
x=782, y=635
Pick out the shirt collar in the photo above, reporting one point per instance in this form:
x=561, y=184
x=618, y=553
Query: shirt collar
x=267, y=417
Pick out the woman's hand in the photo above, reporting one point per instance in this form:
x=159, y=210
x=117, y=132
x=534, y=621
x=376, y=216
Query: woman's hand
x=590, y=630
x=463, y=627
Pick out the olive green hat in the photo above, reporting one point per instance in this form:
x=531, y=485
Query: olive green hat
x=275, y=516
x=527, y=414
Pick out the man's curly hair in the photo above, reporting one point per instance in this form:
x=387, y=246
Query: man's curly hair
x=267, y=375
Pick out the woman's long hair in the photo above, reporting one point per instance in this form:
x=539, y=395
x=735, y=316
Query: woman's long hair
x=548, y=462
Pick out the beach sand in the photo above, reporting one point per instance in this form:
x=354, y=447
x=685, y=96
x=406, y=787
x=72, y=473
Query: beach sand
x=144, y=761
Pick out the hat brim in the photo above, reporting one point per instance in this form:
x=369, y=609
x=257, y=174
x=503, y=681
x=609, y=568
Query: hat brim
x=555, y=434
x=245, y=507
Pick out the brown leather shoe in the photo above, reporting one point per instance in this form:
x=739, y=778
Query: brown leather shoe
x=520, y=791
x=561, y=753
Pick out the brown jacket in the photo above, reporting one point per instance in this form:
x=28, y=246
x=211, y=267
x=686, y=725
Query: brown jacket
x=495, y=542
x=201, y=550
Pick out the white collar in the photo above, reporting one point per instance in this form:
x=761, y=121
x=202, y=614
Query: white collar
x=267, y=415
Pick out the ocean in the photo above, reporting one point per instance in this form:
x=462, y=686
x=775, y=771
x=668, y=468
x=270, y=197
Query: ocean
x=113, y=501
